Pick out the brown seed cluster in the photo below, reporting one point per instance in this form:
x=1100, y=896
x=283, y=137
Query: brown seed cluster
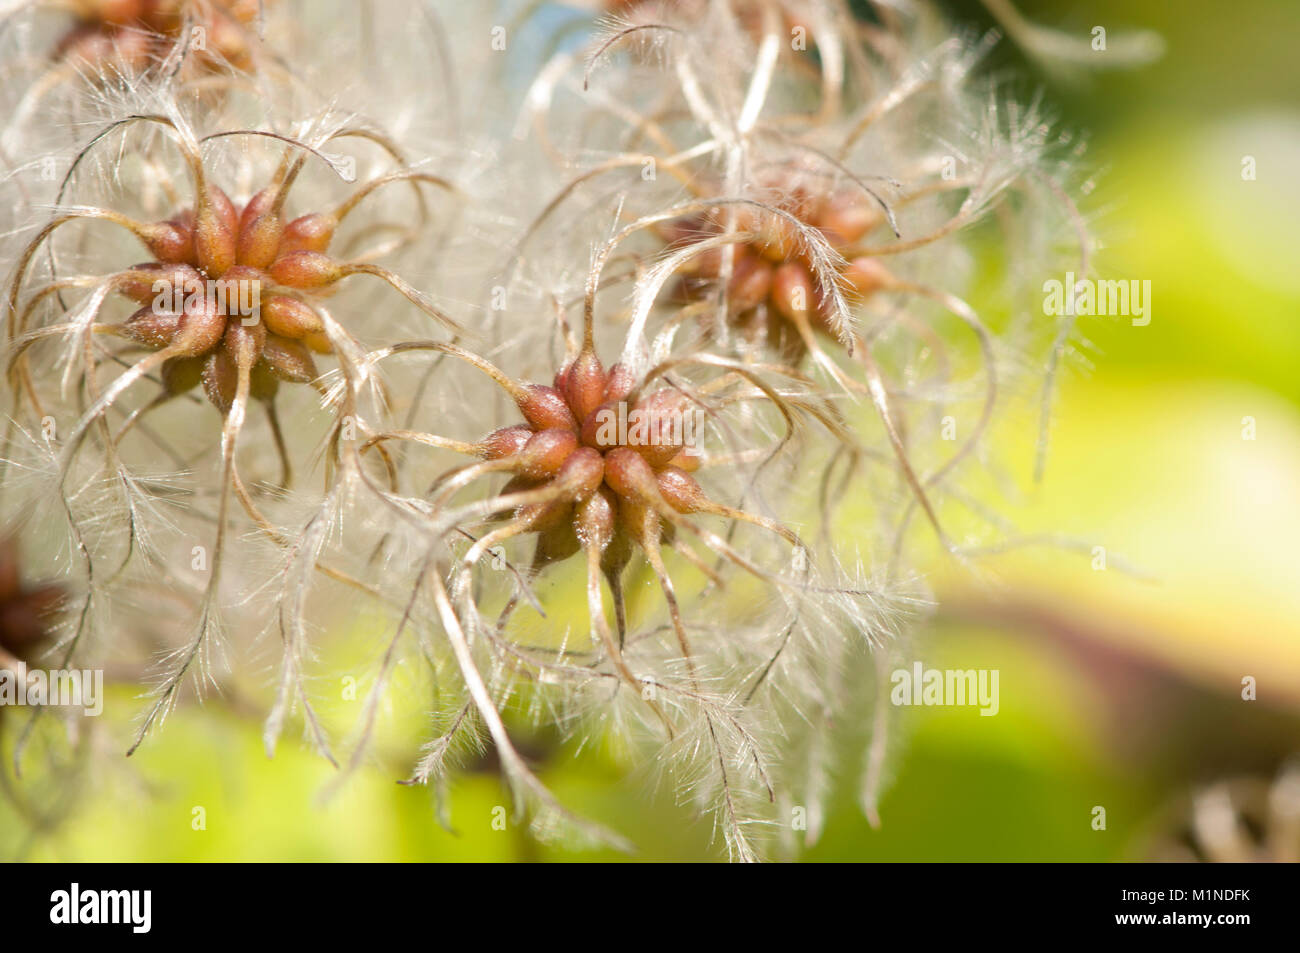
x=584, y=485
x=773, y=294
x=609, y=488
x=137, y=33
x=253, y=247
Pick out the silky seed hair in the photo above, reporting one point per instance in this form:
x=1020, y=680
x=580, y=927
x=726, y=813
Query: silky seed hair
x=183, y=340
x=760, y=215
x=871, y=204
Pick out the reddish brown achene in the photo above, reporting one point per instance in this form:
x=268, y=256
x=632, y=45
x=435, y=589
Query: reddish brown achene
x=136, y=33
x=774, y=298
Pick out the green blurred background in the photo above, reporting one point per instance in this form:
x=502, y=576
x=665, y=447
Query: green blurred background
x=1116, y=691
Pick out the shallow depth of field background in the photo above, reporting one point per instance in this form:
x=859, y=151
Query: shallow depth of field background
x=1117, y=692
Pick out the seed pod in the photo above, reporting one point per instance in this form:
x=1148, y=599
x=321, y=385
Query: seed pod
x=638, y=519
x=583, y=384
x=581, y=473
x=306, y=270
x=680, y=490
x=866, y=275
x=751, y=282
x=320, y=343
x=664, y=411
x=170, y=241
x=628, y=475
x=779, y=240
x=687, y=461
x=289, y=317
x=199, y=331
x=595, y=519
x=519, y=483
x=793, y=290
x=845, y=218
x=153, y=329
x=181, y=374
x=241, y=295
x=216, y=231
x=228, y=36
x=120, y=49
x=540, y=517
x=621, y=382
x=247, y=342
x=596, y=431
x=706, y=265
x=288, y=360
x=243, y=273
x=138, y=282
x=546, y=451
x=260, y=229
x=220, y=380
x=683, y=231
x=308, y=233
x=557, y=543
x=263, y=385
x=620, y=550
x=544, y=407
x=505, y=442
x=117, y=13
